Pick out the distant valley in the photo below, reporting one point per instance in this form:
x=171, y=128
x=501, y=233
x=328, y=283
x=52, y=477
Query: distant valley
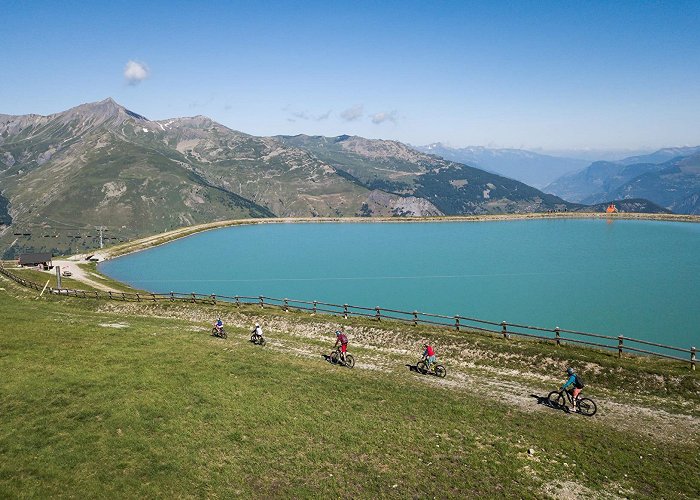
x=669, y=177
x=534, y=169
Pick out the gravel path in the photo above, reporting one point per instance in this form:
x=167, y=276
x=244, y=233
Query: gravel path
x=79, y=274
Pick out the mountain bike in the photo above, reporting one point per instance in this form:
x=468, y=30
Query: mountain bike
x=564, y=400
x=257, y=339
x=336, y=359
x=219, y=333
x=435, y=369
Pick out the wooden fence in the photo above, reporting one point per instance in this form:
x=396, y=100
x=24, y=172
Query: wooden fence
x=556, y=336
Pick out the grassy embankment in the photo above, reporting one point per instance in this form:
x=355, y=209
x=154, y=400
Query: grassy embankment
x=158, y=408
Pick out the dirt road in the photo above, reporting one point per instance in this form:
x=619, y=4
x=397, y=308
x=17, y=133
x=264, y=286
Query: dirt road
x=80, y=274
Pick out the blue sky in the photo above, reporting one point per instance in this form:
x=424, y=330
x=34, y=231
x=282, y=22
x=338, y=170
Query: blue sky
x=540, y=75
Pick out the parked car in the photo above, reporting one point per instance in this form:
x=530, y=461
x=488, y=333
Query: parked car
x=67, y=273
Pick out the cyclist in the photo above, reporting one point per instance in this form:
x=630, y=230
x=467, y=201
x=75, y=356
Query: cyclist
x=219, y=325
x=342, y=339
x=428, y=355
x=573, y=386
x=257, y=330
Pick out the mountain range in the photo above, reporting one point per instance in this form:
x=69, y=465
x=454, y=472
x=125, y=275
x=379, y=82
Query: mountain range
x=534, y=169
x=669, y=177
x=100, y=164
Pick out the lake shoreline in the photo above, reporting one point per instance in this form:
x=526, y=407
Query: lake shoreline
x=162, y=238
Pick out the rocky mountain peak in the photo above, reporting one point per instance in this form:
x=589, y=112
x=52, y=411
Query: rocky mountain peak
x=107, y=110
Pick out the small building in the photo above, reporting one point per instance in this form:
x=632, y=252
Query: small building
x=44, y=260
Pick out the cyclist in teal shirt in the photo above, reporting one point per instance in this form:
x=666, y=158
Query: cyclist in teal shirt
x=573, y=386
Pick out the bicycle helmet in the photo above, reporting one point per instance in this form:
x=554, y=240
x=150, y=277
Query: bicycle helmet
x=570, y=371
x=337, y=332
x=257, y=325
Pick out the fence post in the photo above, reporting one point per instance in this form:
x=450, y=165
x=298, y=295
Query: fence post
x=345, y=311
x=172, y=296
x=97, y=295
x=415, y=318
x=213, y=299
x=110, y=294
x=238, y=300
x=557, y=336
x=286, y=305
x=457, y=323
x=194, y=299
x=379, y=313
x=619, y=346
x=123, y=296
x=314, y=307
x=504, y=329
x=262, y=301
x=692, y=357
x=154, y=297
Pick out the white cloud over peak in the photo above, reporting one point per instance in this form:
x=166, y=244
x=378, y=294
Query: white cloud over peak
x=352, y=114
x=382, y=117
x=136, y=72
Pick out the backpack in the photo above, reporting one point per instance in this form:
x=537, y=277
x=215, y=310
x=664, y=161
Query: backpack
x=578, y=383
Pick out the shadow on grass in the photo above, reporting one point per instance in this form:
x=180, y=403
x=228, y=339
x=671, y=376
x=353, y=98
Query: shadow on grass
x=412, y=368
x=545, y=401
x=339, y=362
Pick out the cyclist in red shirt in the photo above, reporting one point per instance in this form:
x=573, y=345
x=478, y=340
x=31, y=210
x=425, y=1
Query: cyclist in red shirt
x=429, y=355
x=342, y=339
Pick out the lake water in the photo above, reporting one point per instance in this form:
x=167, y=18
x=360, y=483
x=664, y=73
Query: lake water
x=636, y=278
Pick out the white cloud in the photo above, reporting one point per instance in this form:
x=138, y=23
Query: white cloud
x=136, y=72
x=352, y=114
x=304, y=115
x=390, y=116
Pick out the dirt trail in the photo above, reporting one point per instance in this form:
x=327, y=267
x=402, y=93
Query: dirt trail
x=517, y=388
x=80, y=274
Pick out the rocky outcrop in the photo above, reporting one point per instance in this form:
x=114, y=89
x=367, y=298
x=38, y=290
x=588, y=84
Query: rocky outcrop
x=384, y=204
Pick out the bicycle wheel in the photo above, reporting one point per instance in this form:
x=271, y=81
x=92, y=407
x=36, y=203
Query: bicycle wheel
x=334, y=357
x=252, y=339
x=262, y=340
x=224, y=335
x=420, y=366
x=440, y=371
x=556, y=399
x=587, y=407
x=349, y=360
x=214, y=332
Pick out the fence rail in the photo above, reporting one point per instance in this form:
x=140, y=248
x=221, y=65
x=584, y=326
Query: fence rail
x=506, y=330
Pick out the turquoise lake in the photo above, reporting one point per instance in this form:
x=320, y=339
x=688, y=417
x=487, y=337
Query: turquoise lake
x=635, y=278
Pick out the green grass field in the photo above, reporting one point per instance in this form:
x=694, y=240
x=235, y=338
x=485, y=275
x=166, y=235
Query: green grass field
x=98, y=402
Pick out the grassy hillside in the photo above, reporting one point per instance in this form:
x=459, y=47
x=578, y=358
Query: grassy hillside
x=111, y=399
